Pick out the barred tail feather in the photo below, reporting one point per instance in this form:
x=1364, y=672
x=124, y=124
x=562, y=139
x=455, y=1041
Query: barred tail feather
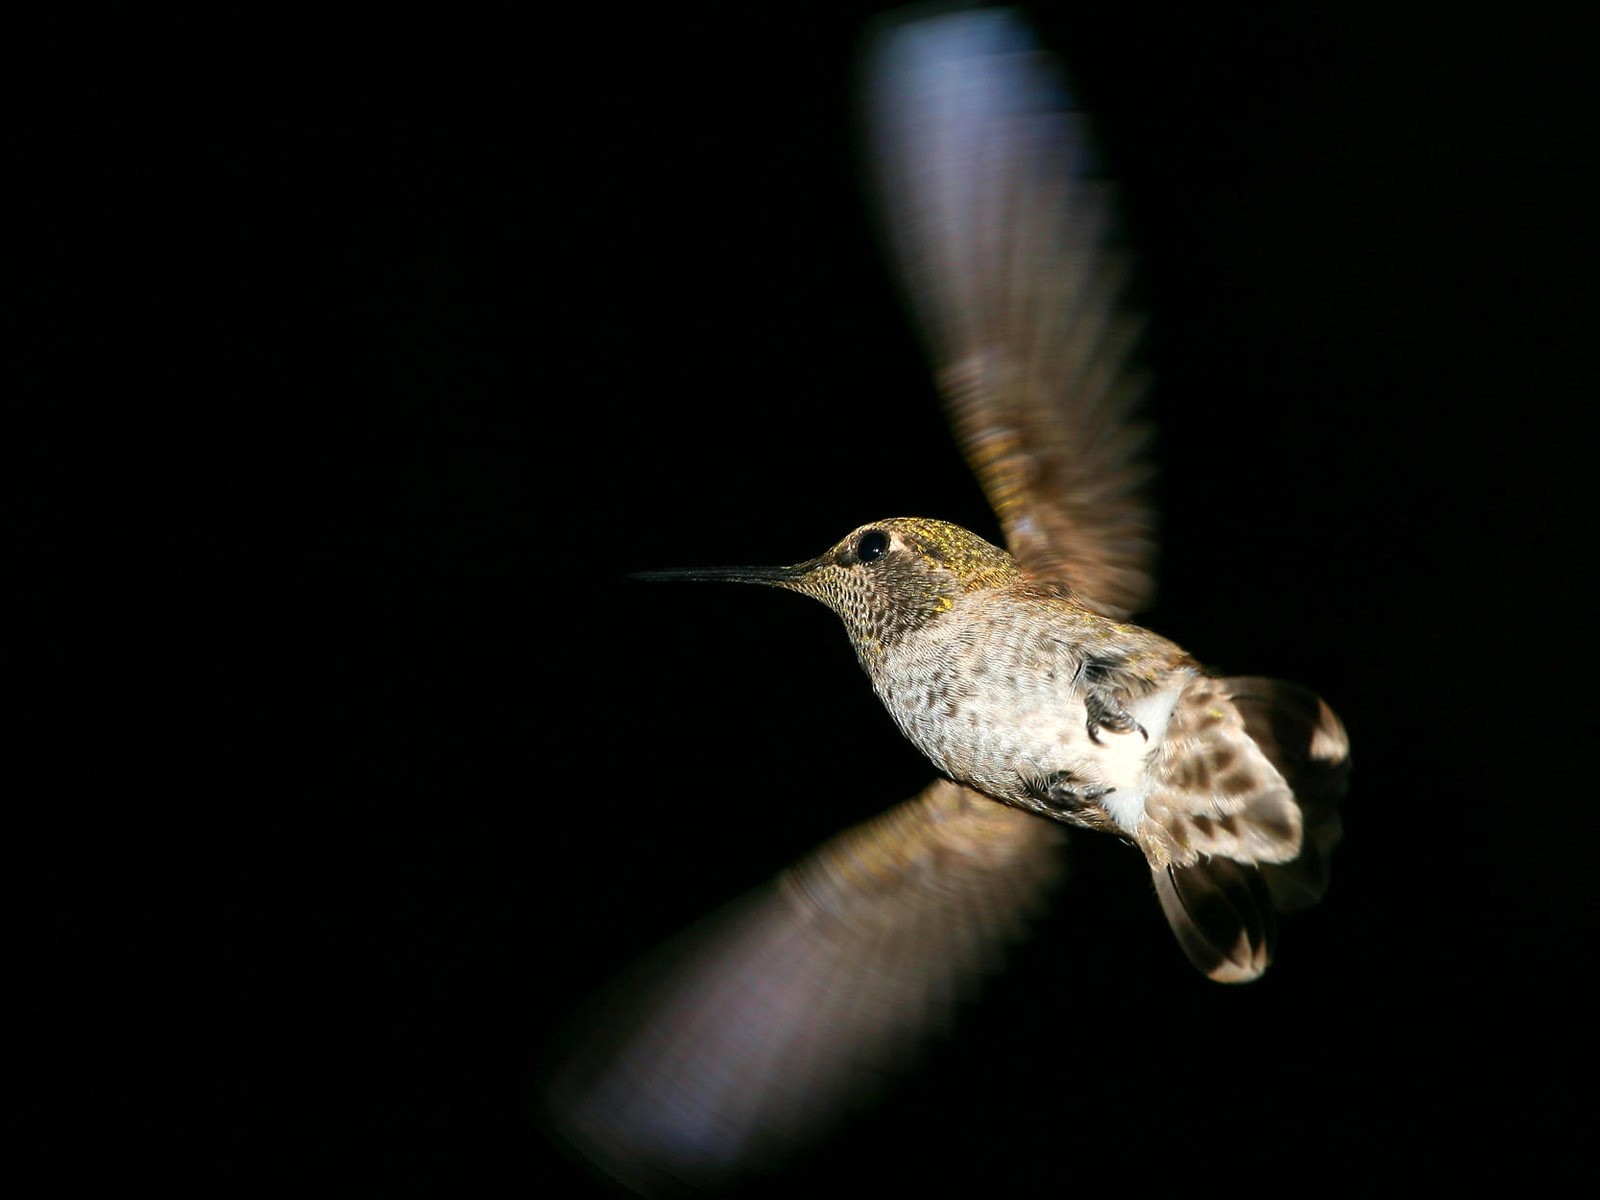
x=1302, y=737
x=1246, y=817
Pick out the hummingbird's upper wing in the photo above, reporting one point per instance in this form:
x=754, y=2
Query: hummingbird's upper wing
x=1000, y=237
x=745, y=1036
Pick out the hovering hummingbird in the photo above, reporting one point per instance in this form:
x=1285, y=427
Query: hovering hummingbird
x=1014, y=670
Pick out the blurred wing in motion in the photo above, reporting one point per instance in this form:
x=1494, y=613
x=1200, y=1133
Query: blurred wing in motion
x=759, y=1027
x=1001, y=240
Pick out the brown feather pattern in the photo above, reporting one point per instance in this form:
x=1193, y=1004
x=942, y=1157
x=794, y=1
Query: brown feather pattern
x=1003, y=244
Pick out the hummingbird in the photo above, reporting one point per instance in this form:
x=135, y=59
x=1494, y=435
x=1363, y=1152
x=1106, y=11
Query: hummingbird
x=1014, y=669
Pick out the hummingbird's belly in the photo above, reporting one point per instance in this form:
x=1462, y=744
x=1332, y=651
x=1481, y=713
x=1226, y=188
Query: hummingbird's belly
x=1004, y=728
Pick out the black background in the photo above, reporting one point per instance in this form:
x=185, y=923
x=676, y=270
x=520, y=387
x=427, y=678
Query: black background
x=361, y=359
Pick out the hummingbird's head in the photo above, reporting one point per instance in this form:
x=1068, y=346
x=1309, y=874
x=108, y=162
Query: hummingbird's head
x=885, y=578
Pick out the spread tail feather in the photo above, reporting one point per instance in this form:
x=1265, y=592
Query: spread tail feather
x=1302, y=737
x=1245, y=818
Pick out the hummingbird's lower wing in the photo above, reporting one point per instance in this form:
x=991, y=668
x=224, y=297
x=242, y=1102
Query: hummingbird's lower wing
x=1244, y=816
x=1000, y=237
x=758, y=1027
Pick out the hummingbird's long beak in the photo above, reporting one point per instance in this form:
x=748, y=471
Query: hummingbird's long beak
x=784, y=577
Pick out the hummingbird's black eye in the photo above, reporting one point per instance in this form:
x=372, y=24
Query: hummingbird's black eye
x=873, y=544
